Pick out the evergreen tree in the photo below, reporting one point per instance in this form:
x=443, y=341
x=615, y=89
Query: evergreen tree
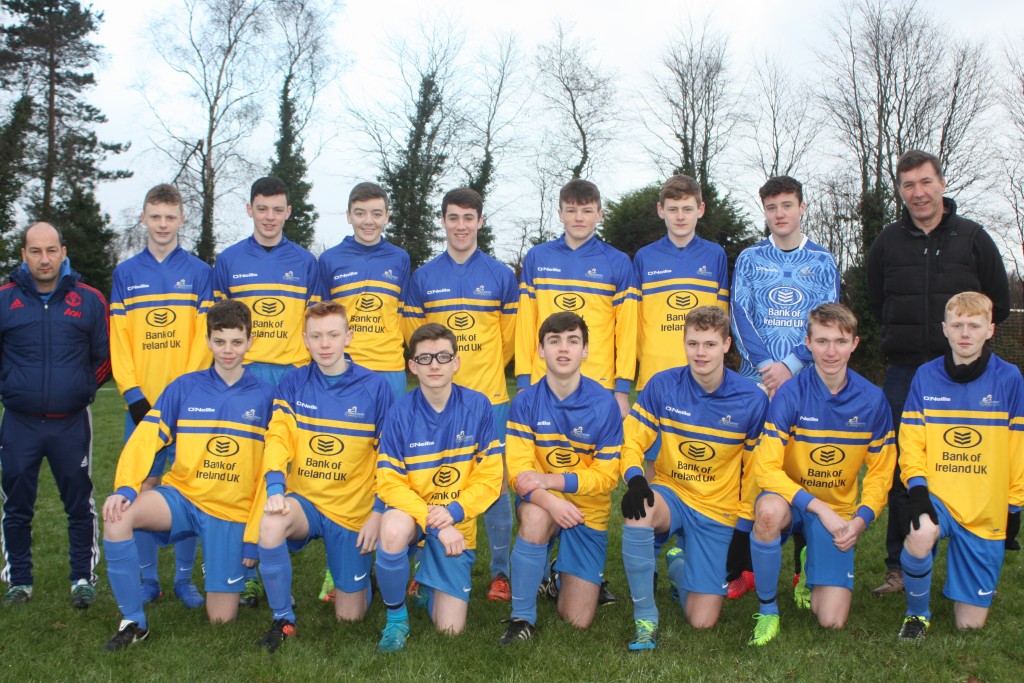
x=724, y=223
x=90, y=243
x=480, y=180
x=13, y=135
x=632, y=221
x=290, y=166
x=411, y=181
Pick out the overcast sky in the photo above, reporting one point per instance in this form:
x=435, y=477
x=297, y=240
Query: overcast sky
x=627, y=39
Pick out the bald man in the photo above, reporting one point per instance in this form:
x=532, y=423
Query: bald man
x=54, y=354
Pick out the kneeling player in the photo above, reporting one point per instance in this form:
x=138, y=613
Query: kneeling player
x=562, y=450
x=962, y=461
x=321, y=448
x=438, y=468
x=218, y=418
x=822, y=426
x=708, y=419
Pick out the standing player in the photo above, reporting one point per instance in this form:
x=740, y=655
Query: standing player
x=962, y=459
x=437, y=470
x=158, y=305
x=322, y=449
x=675, y=275
x=564, y=437
x=219, y=417
x=276, y=279
x=369, y=276
x=821, y=428
x=475, y=296
x=708, y=420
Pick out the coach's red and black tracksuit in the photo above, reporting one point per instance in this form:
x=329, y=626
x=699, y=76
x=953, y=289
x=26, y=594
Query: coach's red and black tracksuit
x=54, y=353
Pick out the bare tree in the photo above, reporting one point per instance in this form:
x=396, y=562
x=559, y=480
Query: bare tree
x=694, y=110
x=1013, y=104
x=784, y=129
x=581, y=95
x=220, y=52
x=833, y=216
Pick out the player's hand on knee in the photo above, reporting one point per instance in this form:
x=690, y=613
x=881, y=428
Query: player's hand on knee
x=276, y=505
x=638, y=498
x=439, y=517
x=366, y=541
x=114, y=507
x=919, y=502
x=453, y=541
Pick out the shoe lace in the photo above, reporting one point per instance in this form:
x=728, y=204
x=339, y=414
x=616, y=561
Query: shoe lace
x=644, y=631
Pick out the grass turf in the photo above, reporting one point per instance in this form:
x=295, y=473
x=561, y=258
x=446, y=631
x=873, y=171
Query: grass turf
x=47, y=640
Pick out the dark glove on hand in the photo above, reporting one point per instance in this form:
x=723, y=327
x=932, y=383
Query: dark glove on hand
x=1012, y=529
x=918, y=503
x=138, y=410
x=633, y=500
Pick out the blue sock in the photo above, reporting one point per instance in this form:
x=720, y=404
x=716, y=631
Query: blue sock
x=498, y=520
x=123, y=574
x=529, y=563
x=675, y=575
x=185, y=558
x=638, y=562
x=767, y=561
x=147, y=549
x=276, y=569
x=392, y=578
x=917, y=582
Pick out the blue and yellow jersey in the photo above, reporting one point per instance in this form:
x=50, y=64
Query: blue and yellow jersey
x=276, y=285
x=371, y=283
x=672, y=282
x=594, y=281
x=219, y=432
x=158, y=321
x=477, y=300
x=579, y=438
x=447, y=458
x=966, y=442
x=707, y=439
x=322, y=440
x=814, y=444
x=772, y=293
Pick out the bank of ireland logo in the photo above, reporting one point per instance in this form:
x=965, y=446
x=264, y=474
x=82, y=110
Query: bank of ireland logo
x=696, y=450
x=222, y=446
x=570, y=302
x=461, y=321
x=682, y=301
x=962, y=437
x=268, y=307
x=827, y=456
x=326, y=444
x=785, y=296
x=562, y=458
x=446, y=476
x=368, y=302
x=160, y=317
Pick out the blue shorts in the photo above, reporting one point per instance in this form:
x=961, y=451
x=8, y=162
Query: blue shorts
x=221, y=539
x=582, y=552
x=973, y=564
x=269, y=372
x=705, y=542
x=164, y=457
x=451, y=575
x=351, y=570
x=826, y=564
x=395, y=380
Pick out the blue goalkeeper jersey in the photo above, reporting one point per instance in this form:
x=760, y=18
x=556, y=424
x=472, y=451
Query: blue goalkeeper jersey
x=772, y=293
x=672, y=282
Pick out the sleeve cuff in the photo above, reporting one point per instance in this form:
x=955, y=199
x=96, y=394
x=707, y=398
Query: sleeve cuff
x=744, y=525
x=916, y=481
x=456, y=511
x=802, y=499
x=794, y=364
x=631, y=472
x=274, y=478
x=249, y=551
x=623, y=386
x=867, y=514
x=275, y=490
x=522, y=382
x=378, y=505
x=1014, y=509
x=128, y=492
x=132, y=395
x=571, y=482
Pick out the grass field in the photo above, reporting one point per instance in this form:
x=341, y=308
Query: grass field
x=46, y=640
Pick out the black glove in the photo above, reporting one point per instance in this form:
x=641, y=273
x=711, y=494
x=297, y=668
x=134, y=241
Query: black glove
x=918, y=503
x=138, y=410
x=633, y=500
x=1012, y=529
